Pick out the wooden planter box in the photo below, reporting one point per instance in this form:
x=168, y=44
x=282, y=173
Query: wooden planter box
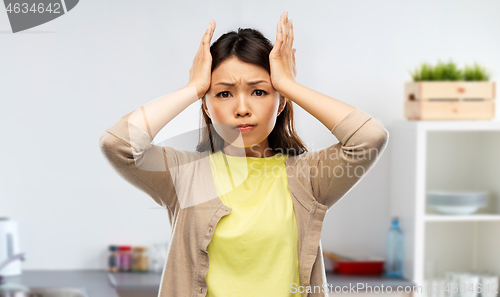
x=450, y=100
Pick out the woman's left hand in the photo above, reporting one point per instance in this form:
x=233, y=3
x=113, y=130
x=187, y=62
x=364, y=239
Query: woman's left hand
x=282, y=56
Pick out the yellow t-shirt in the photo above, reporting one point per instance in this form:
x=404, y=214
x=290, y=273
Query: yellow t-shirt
x=254, y=249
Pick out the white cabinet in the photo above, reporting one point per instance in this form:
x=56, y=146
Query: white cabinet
x=450, y=156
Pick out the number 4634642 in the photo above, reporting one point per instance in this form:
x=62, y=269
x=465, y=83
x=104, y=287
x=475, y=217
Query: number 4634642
x=471, y=287
x=35, y=8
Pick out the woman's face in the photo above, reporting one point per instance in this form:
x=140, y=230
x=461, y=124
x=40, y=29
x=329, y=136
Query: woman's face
x=234, y=98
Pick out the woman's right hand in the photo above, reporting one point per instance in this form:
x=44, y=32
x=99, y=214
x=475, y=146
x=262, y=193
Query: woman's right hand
x=200, y=72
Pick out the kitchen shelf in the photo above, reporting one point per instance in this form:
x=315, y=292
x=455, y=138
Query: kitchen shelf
x=468, y=125
x=472, y=218
x=447, y=156
x=337, y=279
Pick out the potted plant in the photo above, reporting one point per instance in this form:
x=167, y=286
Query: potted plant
x=445, y=92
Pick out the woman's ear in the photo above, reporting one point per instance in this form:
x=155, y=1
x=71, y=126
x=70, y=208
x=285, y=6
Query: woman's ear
x=282, y=104
x=204, y=103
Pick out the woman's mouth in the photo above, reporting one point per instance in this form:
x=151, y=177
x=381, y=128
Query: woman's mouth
x=245, y=128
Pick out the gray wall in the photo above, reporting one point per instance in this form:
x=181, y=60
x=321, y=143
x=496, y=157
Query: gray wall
x=64, y=82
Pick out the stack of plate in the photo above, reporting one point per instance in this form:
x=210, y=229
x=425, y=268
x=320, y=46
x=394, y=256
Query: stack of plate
x=457, y=203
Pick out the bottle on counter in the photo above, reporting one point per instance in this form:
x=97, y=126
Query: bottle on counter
x=113, y=259
x=140, y=259
x=395, y=249
x=124, y=252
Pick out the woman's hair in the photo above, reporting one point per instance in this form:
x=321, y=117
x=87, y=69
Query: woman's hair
x=250, y=46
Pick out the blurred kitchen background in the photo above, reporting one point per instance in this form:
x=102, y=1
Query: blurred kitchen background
x=64, y=82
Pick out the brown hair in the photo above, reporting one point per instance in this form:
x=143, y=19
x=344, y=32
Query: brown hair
x=250, y=46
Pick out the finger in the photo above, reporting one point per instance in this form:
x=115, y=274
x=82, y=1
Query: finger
x=212, y=28
x=200, y=48
x=207, y=32
x=282, y=35
x=284, y=31
x=279, y=35
x=290, y=33
x=198, y=54
x=206, y=39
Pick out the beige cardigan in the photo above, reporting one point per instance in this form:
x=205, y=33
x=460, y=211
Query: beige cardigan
x=316, y=181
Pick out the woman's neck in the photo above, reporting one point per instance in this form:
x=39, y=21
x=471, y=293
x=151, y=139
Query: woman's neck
x=256, y=151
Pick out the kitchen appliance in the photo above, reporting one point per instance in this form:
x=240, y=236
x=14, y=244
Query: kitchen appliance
x=9, y=246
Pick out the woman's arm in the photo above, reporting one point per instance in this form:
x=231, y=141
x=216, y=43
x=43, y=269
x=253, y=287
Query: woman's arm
x=327, y=110
x=333, y=171
x=127, y=143
x=128, y=148
x=362, y=139
x=155, y=115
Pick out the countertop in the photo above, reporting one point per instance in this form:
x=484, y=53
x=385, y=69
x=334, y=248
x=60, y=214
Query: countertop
x=340, y=280
x=95, y=282
x=150, y=280
x=100, y=283
x=135, y=281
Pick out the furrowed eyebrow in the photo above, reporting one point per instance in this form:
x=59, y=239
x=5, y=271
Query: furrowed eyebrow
x=249, y=83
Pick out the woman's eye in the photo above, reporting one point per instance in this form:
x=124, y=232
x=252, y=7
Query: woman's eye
x=219, y=95
x=259, y=93
x=262, y=92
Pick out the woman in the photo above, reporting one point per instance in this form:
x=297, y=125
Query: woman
x=247, y=207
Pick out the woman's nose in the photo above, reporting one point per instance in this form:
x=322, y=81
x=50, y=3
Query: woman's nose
x=242, y=109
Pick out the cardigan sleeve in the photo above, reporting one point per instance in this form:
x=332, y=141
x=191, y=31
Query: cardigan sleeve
x=150, y=168
x=336, y=169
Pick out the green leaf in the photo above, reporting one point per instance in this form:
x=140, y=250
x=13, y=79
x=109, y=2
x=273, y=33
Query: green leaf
x=449, y=72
